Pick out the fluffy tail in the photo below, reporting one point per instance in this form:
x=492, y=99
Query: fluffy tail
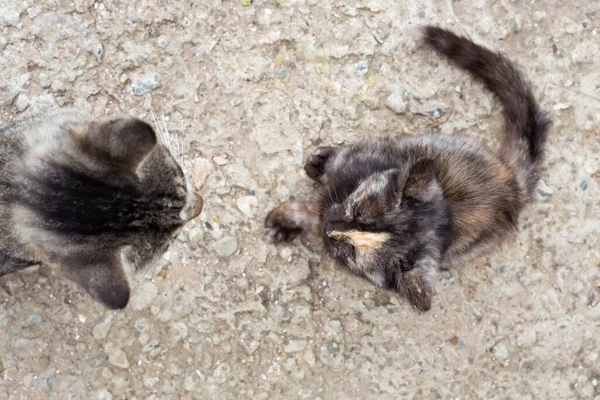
x=526, y=126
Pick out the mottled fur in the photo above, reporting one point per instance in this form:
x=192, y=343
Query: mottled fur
x=397, y=210
x=100, y=201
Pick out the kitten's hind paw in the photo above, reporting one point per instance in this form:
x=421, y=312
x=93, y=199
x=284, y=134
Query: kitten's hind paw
x=281, y=224
x=315, y=165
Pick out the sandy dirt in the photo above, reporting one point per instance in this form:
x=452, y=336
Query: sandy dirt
x=251, y=89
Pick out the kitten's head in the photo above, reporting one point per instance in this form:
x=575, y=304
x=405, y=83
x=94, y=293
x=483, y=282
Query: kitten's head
x=392, y=229
x=102, y=202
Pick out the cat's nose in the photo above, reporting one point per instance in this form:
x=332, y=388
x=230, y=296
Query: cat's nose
x=197, y=207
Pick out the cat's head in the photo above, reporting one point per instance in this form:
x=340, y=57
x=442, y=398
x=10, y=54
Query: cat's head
x=392, y=229
x=101, y=202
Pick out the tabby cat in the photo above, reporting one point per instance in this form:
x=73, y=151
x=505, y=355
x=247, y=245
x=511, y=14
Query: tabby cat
x=99, y=201
x=398, y=210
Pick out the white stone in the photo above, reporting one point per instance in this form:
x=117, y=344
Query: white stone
x=395, y=101
x=295, y=346
x=143, y=295
x=247, y=205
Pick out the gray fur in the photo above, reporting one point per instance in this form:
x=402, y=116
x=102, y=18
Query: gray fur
x=98, y=201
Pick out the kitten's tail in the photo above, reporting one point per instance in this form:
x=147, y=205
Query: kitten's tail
x=526, y=126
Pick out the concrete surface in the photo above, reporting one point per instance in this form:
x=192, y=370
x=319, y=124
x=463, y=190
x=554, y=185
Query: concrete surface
x=252, y=89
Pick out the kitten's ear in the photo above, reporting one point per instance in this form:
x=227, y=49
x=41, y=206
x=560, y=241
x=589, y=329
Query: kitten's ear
x=418, y=286
x=422, y=183
x=125, y=141
x=101, y=275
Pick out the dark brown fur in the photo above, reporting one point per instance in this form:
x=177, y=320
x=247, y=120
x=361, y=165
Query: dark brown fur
x=395, y=211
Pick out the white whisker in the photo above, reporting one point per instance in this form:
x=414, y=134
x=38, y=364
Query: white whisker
x=173, y=141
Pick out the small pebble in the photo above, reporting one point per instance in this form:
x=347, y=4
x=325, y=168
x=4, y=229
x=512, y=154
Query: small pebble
x=282, y=73
x=226, y=246
x=295, y=346
x=220, y=160
x=395, y=101
x=143, y=295
x=117, y=357
x=518, y=24
x=201, y=170
x=591, y=14
x=247, y=205
x=543, y=189
x=151, y=346
x=214, y=123
x=437, y=113
x=27, y=379
x=362, y=67
x=594, y=382
x=332, y=347
x=176, y=369
x=374, y=7
x=583, y=185
x=45, y=81
x=503, y=34
x=501, y=352
x=561, y=106
x=302, y=253
x=570, y=138
x=285, y=315
x=502, y=268
x=34, y=319
x=377, y=38
x=146, y=83
x=99, y=50
x=102, y=328
x=538, y=16
x=196, y=234
x=50, y=382
x=22, y=102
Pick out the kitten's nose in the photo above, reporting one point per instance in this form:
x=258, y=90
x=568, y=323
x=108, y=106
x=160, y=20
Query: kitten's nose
x=197, y=207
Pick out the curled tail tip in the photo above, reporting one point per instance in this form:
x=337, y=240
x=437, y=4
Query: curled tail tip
x=440, y=39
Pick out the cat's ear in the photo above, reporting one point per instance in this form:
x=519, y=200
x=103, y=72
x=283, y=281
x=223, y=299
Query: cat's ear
x=126, y=142
x=418, y=286
x=102, y=275
x=422, y=183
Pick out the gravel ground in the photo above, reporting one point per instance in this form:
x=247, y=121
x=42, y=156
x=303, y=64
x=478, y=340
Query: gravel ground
x=252, y=88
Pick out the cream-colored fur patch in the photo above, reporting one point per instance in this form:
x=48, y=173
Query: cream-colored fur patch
x=362, y=241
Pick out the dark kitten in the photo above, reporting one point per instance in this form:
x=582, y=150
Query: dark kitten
x=98, y=201
x=395, y=211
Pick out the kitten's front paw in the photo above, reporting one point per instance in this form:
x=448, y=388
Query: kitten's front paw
x=315, y=165
x=281, y=225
